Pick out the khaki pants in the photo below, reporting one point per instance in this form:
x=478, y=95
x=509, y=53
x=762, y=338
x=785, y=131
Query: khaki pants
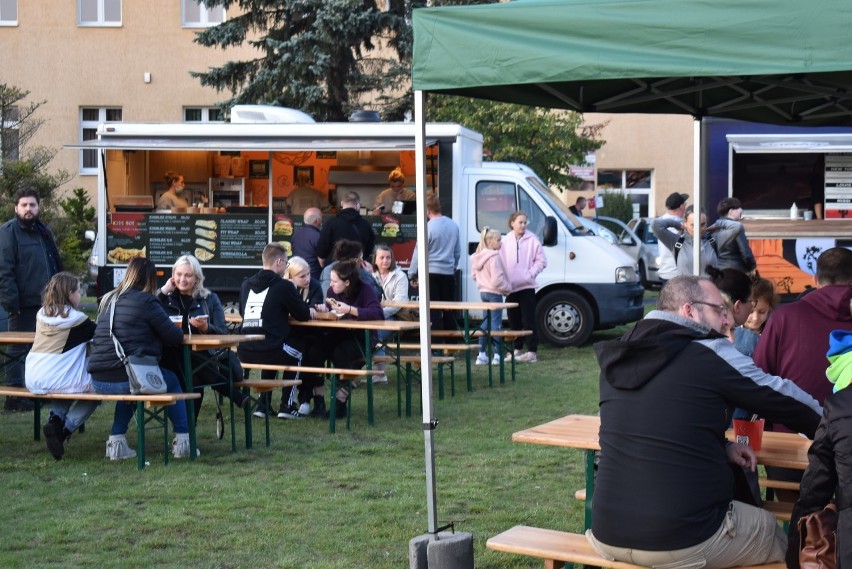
x=747, y=536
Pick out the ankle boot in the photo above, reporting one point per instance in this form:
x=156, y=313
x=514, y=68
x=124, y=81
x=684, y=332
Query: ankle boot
x=54, y=435
x=319, y=409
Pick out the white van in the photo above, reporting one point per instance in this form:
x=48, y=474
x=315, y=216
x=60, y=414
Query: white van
x=588, y=284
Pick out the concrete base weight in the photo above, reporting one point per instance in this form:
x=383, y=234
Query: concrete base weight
x=442, y=551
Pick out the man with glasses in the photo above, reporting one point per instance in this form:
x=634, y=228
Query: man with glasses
x=664, y=493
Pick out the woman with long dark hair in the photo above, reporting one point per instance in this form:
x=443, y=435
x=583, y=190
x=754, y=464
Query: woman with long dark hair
x=142, y=327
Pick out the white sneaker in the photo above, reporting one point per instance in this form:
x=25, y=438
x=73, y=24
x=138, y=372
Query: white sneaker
x=495, y=361
x=117, y=449
x=180, y=446
x=482, y=359
x=508, y=358
x=380, y=379
x=305, y=408
x=528, y=357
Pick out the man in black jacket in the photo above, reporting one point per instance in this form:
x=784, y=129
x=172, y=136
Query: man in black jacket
x=28, y=259
x=347, y=224
x=267, y=302
x=665, y=488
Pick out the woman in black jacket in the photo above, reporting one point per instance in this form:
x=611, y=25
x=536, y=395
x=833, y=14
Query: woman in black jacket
x=829, y=473
x=142, y=327
x=200, y=312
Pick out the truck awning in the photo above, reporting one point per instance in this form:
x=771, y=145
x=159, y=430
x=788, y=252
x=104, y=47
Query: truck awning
x=247, y=143
x=790, y=143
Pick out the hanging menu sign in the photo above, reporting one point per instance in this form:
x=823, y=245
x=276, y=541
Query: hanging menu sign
x=212, y=239
x=838, y=186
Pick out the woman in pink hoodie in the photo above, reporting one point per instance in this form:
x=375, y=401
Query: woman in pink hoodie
x=524, y=258
x=491, y=278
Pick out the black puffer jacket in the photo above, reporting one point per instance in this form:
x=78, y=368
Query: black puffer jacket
x=829, y=471
x=142, y=327
x=347, y=224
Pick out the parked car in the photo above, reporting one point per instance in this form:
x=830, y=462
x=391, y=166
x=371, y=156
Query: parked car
x=636, y=238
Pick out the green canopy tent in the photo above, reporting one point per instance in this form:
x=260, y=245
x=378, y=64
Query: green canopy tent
x=784, y=62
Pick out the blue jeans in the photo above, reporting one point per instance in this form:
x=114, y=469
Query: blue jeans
x=124, y=411
x=74, y=416
x=496, y=319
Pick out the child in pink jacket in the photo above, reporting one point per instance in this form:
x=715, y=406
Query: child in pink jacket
x=491, y=278
x=524, y=258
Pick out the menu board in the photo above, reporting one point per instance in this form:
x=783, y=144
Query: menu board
x=216, y=239
x=838, y=186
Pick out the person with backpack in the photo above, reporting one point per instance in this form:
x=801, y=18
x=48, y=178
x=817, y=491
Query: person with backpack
x=681, y=245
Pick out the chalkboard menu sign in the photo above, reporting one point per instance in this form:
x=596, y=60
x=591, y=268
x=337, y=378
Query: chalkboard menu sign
x=213, y=239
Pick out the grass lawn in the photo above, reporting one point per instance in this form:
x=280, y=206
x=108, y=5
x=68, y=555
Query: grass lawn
x=313, y=499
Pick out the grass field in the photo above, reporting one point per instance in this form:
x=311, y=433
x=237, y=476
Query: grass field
x=313, y=499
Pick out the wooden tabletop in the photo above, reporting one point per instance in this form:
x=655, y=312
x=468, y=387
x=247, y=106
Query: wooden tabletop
x=788, y=450
x=391, y=325
x=451, y=305
x=209, y=341
x=17, y=337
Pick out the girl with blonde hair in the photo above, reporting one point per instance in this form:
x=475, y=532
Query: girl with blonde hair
x=489, y=273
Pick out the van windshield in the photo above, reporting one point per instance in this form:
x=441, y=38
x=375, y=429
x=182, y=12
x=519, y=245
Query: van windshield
x=559, y=207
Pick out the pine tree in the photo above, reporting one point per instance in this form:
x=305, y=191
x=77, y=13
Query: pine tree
x=324, y=57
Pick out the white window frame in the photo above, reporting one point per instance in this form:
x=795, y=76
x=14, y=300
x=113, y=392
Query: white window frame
x=205, y=114
x=101, y=18
x=88, y=125
x=206, y=19
x=631, y=191
x=6, y=18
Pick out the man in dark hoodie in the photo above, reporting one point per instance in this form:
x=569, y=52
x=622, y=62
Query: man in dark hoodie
x=267, y=302
x=664, y=493
x=28, y=260
x=347, y=224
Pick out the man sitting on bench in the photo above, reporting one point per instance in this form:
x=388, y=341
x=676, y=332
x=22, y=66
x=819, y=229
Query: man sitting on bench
x=664, y=494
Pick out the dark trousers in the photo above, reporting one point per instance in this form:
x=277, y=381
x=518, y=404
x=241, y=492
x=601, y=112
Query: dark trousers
x=213, y=373
x=310, y=358
x=442, y=287
x=523, y=317
x=24, y=321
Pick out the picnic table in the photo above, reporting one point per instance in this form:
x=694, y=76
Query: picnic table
x=788, y=450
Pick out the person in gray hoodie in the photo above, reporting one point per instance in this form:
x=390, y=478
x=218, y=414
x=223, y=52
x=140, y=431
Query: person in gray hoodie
x=681, y=244
x=732, y=248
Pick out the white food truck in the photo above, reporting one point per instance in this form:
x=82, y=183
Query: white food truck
x=239, y=175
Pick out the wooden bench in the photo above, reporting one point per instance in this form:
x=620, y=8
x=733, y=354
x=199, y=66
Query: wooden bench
x=410, y=362
x=337, y=374
x=260, y=386
x=148, y=408
x=475, y=334
x=557, y=548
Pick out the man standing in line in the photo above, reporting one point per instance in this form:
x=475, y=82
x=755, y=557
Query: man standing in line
x=578, y=207
x=347, y=224
x=305, y=241
x=675, y=208
x=444, y=254
x=732, y=248
x=664, y=493
x=28, y=259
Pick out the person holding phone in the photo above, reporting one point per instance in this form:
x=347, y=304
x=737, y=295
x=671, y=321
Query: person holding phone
x=201, y=312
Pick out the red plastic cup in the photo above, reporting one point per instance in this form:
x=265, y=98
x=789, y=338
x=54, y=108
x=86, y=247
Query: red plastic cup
x=749, y=432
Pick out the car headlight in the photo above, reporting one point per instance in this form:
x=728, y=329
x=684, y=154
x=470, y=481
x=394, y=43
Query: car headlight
x=626, y=275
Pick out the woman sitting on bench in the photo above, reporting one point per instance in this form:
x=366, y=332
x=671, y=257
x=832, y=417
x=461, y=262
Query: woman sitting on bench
x=57, y=361
x=350, y=299
x=142, y=327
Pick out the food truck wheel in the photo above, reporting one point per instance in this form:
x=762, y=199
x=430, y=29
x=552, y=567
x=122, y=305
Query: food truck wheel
x=564, y=318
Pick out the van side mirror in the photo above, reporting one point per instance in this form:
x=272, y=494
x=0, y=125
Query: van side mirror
x=550, y=233
x=89, y=235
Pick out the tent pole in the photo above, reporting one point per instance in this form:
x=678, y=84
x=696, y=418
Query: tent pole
x=425, y=326
x=696, y=191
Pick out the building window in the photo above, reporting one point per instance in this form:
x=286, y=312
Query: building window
x=203, y=114
x=90, y=118
x=8, y=12
x=196, y=15
x=635, y=183
x=99, y=12
x=10, y=142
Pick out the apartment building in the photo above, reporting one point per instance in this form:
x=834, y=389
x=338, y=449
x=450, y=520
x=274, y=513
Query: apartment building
x=115, y=60
x=108, y=60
